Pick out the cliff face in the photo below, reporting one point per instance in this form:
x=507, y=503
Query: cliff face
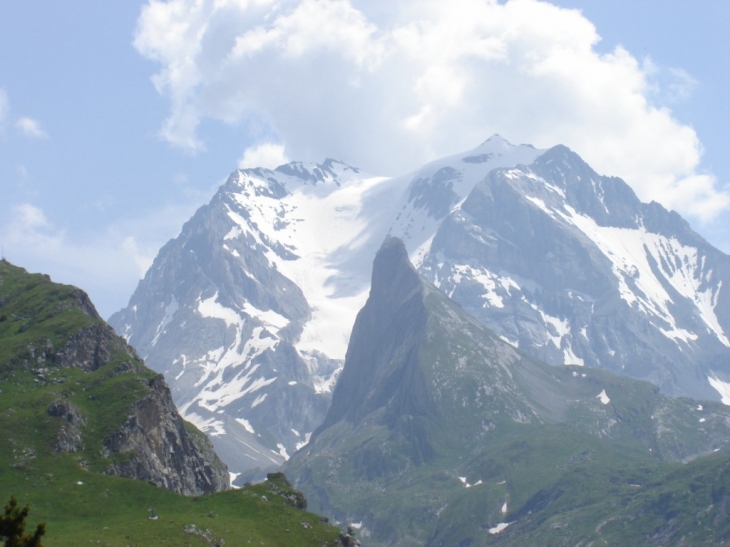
x=165, y=452
x=394, y=317
x=106, y=407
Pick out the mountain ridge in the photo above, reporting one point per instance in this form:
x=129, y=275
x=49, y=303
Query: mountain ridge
x=249, y=310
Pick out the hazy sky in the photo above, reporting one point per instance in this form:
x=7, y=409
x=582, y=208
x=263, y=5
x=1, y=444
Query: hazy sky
x=119, y=119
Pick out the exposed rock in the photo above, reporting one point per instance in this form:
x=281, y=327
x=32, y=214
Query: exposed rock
x=164, y=453
x=88, y=349
x=278, y=484
x=69, y=438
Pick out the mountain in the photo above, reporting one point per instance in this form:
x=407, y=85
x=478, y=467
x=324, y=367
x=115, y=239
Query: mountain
x=249, y=310
x=81, y=415
x=441, y=433
x=70, y=385
x=572, y=268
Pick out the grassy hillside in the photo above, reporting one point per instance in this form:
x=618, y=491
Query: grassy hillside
x=44, y=361
x=82, y=508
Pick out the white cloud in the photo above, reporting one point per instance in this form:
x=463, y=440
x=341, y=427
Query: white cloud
x=263, y=155
x=389, y=85
x=668, y=85
x=30, y=128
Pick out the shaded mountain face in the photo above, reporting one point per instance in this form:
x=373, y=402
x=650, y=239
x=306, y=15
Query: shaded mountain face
x=440, y=432
x=248, y=312
x=71, y=386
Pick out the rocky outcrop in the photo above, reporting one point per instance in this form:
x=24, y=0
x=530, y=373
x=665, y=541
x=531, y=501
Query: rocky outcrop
x=88, y=349
x=163, y=451
x=69, y=437
x=394, y=315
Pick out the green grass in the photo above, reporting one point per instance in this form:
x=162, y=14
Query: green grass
x=81, y=507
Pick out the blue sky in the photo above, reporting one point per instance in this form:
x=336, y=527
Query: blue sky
x=119, y=119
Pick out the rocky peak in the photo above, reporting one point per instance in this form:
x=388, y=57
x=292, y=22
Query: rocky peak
x=394, y=316
x=394, y=279
x=312, y=173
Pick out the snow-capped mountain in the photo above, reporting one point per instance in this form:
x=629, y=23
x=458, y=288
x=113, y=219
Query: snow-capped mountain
x=572, y=268
x=248, y=311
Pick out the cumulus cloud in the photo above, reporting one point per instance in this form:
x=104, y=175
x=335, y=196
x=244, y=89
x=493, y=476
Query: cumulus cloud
x=263, y=155
x=390, y=84
x=30, y=128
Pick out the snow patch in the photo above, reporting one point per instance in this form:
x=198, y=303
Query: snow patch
x=467, y=485
x=211, y=308
x=497, y=529
x=512, y=343
x=260, y=399
x=325, y=384
x=211, y=426
x=304, y=443
x=570, y=357
x=170, y=310
x=723, y=388
x=603, y=397
x=246, y=425
x=282, y=451
x=496, y=287
x=270, y=318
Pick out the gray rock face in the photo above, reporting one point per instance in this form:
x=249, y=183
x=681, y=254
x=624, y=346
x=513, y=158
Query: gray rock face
x=164, y=452
x=370, y=381
x=69, y=438
x=158, y=446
